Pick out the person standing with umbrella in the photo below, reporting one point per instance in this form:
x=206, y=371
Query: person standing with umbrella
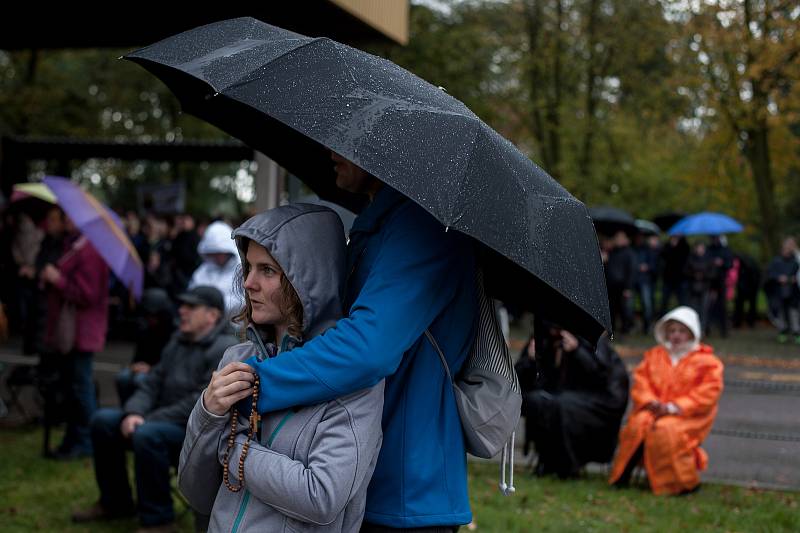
x=407, y=276
x=77, y=311
x=77, y=321
x=438, y=184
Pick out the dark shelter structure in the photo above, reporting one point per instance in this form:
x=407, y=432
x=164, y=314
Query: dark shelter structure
x=27, y=28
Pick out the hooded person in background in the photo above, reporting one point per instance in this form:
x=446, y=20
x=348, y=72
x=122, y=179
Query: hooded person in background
x=220, y=261
x=676, y=390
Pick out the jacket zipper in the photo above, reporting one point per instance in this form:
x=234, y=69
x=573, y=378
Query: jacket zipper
x=246, y=497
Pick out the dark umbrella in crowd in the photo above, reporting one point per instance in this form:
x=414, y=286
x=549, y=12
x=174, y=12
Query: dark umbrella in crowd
x=668, y=219
x=296, y=98
x=646, y=227
x=609, y=220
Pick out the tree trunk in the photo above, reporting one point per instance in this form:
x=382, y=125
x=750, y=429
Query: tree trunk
x=585, y=161
x=756, y=151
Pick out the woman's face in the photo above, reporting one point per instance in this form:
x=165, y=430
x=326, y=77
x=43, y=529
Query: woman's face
x=263, y=286
x=677, y=334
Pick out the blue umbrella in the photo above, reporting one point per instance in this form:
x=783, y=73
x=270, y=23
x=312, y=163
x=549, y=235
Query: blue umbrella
x=706, y=223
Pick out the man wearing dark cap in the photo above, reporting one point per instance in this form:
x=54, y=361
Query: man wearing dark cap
x=153, y=421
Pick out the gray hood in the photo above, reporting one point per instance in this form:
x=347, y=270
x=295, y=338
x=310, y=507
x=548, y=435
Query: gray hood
x=308, y=243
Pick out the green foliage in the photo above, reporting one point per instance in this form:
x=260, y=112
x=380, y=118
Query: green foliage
x=83, y=94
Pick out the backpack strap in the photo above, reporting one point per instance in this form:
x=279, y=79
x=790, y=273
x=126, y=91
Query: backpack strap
x=435, y=345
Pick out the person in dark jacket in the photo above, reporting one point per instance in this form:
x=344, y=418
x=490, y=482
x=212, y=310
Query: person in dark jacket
x=50, y=251
x=154, y=328
x=783, y=293
x=185, y=258
x=620, y=274
x=672, y=263
x=574, y=400
x=647, y=249
x=153, y=420
x=747, y=285
x=699, y=270
x=722, y=261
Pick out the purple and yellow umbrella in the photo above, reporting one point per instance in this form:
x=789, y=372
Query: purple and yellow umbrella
x=103, y=229
x=21, y=191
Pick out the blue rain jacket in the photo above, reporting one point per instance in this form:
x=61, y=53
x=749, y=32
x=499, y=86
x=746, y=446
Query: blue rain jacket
x=406, y=274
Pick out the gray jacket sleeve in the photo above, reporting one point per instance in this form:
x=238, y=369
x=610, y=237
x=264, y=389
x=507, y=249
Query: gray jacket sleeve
x=199, y=471
x=345, y=444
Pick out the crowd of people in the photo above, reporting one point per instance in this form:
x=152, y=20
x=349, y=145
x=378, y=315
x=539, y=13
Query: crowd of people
x=276, y=358
x=707, y=276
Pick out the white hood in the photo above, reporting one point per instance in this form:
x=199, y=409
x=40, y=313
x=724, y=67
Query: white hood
x=217, y=239
x=686, y=316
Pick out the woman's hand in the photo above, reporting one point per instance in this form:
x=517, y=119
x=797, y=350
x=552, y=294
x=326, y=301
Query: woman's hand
x=229, y=385
x=50, y=274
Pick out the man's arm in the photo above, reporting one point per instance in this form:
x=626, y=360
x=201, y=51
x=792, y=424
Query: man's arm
x=180, y=409
x=146, y=394
x=412, y=279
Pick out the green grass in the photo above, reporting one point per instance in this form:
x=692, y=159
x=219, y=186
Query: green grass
x=589, y=504
x=38, y=494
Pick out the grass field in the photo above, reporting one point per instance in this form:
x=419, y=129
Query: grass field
x=37, y=494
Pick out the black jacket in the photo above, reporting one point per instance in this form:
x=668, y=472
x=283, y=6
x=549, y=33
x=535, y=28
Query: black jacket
x=174, y=384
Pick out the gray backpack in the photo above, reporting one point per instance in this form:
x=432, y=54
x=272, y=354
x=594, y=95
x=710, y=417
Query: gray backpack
x=487, y=391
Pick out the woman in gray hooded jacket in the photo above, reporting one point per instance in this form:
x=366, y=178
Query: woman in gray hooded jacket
x=306, y=468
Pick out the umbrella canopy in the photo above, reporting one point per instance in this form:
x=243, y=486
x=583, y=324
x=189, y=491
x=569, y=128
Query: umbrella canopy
x=103, y=229
x=646, y=227
x=706, y=223
x=609, y=220
x=20, y=191
x=296, y=98
x=668, y=219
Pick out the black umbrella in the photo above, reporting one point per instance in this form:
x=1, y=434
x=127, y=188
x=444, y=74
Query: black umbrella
x=609, y=220
x=668, y=219
x=295, y=98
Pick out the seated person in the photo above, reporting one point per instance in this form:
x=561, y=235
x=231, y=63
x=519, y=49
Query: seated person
x=153, y=420
x=574, y=406
x=676, y=389
x=154, y=328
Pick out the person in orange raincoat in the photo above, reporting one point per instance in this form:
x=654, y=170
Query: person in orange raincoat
x=676, y=389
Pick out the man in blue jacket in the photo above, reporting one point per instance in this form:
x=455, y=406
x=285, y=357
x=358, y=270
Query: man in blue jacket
x=407, y=274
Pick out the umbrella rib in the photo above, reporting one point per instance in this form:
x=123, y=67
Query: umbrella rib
x=114, y=228
x=469, y=161
x=242, y=81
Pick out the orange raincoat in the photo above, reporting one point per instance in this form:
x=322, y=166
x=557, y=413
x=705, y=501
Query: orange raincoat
x=672, y=454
